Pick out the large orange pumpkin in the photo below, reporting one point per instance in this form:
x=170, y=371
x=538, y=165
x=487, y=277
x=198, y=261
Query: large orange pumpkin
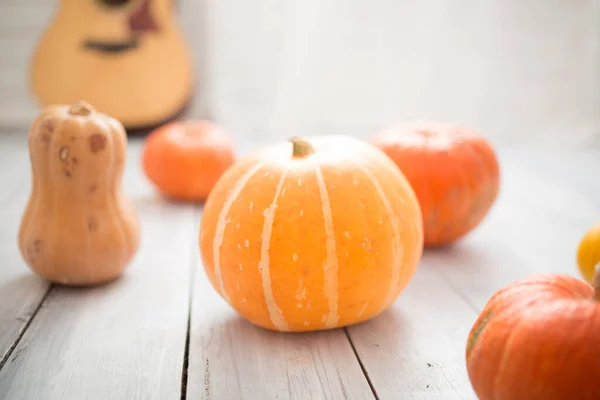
x=453, y=170
x=314, y=234
x=538, y=339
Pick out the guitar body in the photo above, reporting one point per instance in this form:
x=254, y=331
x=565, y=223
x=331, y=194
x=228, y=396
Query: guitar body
x=127, y=58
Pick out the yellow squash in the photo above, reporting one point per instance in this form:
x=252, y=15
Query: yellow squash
x=588, y=253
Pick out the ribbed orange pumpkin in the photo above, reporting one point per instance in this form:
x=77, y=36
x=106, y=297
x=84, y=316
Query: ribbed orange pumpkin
x=538, y=339
x=453, y=170
x=315, y=234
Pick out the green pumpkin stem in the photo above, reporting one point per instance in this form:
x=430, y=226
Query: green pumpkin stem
x=301, y=147
x=476, y=331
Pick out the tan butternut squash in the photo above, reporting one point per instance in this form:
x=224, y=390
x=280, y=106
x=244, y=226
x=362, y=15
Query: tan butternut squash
x=126, y=57
x=78, y=227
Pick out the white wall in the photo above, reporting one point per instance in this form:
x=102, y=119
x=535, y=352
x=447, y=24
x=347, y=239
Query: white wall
x=21, y=22
x=518, y=70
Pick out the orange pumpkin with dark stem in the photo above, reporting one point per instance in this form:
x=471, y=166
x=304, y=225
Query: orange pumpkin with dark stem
x=453, y=170
x=184, y=160
x=538, y=339
x=315, y=234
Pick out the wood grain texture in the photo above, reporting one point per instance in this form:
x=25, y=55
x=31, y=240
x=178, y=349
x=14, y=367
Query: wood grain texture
x=127, y=340
x=231, y=359
x=415, y=350
x=548, y=201
x=543, y=210
x=124, y=340
x=20, y=290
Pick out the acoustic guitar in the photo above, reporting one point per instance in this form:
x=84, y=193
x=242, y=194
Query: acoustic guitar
x=127, y=58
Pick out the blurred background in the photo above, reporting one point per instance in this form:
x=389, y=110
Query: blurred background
x=519, y=71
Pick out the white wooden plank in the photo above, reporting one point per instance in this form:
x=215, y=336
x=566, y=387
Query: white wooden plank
x=575, y=170
x=415, y=350
x=23, y=17
x=20, y=291
x=122, y=340
x=230, y=358
x=17, y=50
x=536, y=226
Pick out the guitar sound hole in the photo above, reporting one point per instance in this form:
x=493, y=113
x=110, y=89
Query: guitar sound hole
x=115, y=3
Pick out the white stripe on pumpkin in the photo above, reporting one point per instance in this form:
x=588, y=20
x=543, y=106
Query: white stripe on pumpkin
x=397, y=249
x=330, y=267
x=275, y=313
x=222, y=223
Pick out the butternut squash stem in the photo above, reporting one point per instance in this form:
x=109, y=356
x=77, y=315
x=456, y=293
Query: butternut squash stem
x=596, y=282
x=301, y=147
x=81, y=108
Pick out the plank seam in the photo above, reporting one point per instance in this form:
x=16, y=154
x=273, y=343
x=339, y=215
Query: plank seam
x=461, y=295
x=12, y=348
x=186, y=360
x=362, y=366
x=192, y=274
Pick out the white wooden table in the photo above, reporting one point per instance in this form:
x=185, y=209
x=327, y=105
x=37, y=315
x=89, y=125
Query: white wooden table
x=162, y=332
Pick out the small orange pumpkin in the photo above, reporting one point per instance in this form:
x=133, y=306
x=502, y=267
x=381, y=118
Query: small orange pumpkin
x=453, y=170
x=538, y=339
x=184, y=160
x=314, y=234
x=78, y=227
